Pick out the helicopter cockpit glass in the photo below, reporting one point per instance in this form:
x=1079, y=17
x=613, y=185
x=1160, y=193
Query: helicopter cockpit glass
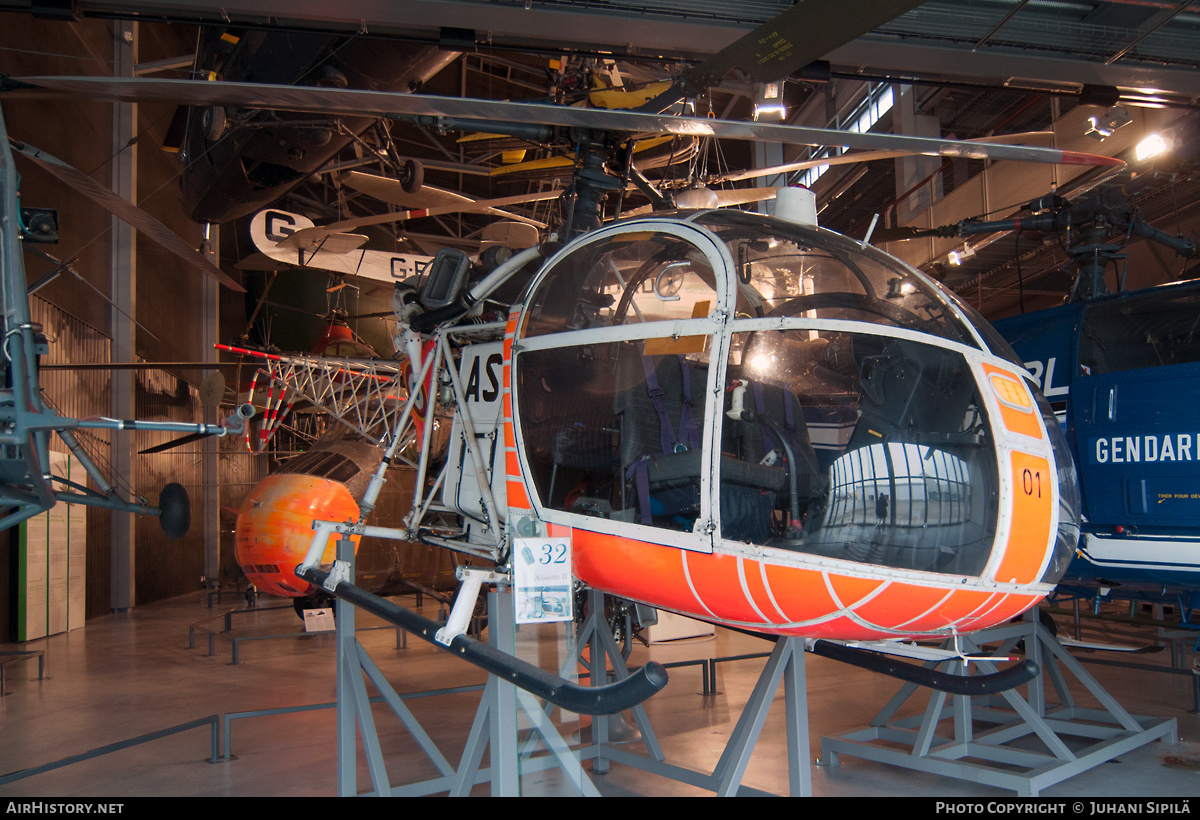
x=632, y=277
x=612, y=420
x=759, y=383
x=856, y=446
x=788, y=270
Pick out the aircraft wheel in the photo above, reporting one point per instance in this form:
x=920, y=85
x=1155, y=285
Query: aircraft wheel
x=213, y=122
x=412, y=176
x=175, y=514
x=251, y=595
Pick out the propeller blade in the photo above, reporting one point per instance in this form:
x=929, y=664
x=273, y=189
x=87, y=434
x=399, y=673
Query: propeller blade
x=379, y=314
x=311, y=237
x=175, y=442
x=391, y=190
x=418, y=107
x=239, y=417
x=898, y=234
x=331, y=241
x=135, y=216
x=433, y=201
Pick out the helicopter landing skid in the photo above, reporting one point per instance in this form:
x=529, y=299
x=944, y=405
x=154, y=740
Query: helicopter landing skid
x=986, y=754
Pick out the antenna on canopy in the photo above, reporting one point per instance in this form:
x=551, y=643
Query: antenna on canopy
x=866, y=240
x=796, y=204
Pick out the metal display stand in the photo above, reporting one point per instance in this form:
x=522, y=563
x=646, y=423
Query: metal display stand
x=1006, y=740
x=786, y=665
x=495, y=722
x=603, y=652
x=496, y=729
x=354, y=705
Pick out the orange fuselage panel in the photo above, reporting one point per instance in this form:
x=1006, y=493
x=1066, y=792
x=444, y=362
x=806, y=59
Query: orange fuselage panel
x=274, y=528
x=771, y=597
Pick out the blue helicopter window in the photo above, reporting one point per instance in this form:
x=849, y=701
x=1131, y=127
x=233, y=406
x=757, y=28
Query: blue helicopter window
x=627, y=278
x=1145, y=330
x=789, y=270
x=859, y=447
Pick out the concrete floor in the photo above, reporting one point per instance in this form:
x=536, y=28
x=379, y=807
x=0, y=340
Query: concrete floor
x=133, y=673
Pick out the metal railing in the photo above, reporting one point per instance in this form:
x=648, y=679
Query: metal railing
x=212, y=721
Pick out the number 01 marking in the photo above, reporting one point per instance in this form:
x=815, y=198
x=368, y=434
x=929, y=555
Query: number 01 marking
x=1030, y=536
x=1031, y=482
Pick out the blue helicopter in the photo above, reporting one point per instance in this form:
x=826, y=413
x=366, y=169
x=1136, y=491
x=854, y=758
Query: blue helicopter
x=1122, y=373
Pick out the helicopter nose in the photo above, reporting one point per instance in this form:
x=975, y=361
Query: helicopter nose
x=274, y=528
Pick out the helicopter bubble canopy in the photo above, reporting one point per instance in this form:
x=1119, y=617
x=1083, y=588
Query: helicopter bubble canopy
x=725, y=385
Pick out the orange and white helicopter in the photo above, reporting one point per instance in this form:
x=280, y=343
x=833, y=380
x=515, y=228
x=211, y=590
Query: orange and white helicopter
x=747, y=420
x=739, y=418
x=744, y=419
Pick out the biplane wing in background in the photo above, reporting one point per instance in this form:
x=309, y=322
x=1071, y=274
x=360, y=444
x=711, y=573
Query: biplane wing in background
x=281, y=236
x=294, y=240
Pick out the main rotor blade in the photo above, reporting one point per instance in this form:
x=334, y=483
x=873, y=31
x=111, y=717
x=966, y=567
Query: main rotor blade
x=127, y=211
x=862, y=156
x=485, y=114
x=726, y=198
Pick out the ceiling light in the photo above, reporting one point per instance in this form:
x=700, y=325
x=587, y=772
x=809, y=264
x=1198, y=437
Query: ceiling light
x=1151, y=146
x=768, y=101
x=956, y=257
x=1112, y=119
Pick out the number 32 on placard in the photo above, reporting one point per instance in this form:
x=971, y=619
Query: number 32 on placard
x=552, y=554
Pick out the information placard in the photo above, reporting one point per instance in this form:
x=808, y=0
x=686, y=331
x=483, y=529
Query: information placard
x=542, y=580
